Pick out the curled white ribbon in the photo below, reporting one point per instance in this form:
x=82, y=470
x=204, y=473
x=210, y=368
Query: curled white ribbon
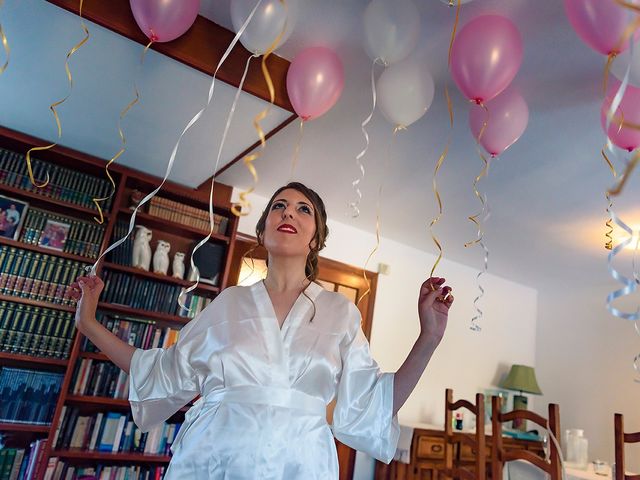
x=355, y=205
x=215, y=169
x=195, y=118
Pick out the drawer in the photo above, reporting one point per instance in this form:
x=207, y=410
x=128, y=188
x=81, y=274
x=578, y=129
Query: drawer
x=468, y=453
x=430, y=447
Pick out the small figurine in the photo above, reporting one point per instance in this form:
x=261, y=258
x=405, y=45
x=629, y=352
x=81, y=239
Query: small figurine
x=135, y=199
x=141, y=257
x=177, y=267
x=161, y=257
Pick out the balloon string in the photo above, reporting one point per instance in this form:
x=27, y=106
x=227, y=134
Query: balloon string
x=355, y=205
x=243, y=206
x=384, y=175
x=5, y=45
x=483, y=172
x=607, y=67
x=455, y=26
x=215, y=169
x=629, y=285
x=172, y=157
x=443, y=155
x=53, y=106
x=296, y=151
x=123, y=140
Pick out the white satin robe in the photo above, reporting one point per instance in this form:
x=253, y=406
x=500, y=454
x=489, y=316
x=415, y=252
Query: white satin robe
x=264, y=390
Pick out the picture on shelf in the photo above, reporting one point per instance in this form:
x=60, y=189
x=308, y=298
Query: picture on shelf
x=12, y=213
x=54, y=235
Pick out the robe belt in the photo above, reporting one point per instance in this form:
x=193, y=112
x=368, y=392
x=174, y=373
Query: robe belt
x=257, y=395
x=271, y=396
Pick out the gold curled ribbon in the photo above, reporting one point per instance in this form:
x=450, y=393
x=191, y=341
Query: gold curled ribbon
x=5, y=45
x=296, y=151
x=443, y=155
x=377, y=246
x=458, y=3
x=53, y=106
x=125, y=110
x=609, y=223
x=628, y=170
x=243, y=206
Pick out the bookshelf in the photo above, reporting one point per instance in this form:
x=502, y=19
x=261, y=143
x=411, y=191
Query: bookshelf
x=35, y=291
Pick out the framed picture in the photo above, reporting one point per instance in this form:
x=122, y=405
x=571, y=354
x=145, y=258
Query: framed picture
x=54, y=235
x=12, y=213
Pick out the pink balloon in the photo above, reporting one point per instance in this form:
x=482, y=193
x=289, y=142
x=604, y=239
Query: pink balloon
x=314, y=82
x=506, y=121
x=601, y=24
x=485, y=57
x=164, y=20
x=627, y=138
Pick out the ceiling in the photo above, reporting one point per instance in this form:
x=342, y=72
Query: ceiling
x=546, y=192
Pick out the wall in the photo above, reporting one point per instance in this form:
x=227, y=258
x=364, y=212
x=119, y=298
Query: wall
x=593, y=351
x=465, y=361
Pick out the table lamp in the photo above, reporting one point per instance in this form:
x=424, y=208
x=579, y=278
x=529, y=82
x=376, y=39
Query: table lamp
x=521, y=378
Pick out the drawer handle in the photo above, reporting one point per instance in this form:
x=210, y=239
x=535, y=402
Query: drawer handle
x=436, y=448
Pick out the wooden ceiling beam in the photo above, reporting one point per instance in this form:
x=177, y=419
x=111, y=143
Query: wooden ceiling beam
x=201, y=47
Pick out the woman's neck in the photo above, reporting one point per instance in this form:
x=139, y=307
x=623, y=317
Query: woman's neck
x=286, y=274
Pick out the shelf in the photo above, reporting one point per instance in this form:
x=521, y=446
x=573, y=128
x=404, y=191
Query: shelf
x=44, y=200
x=119, y=403
x=94, y=355
x=48, y=251
x=35, y=303
x=122, y=457
x=160, y=277
x=23, y=427
x=157, y=222
x=14, y=359
x=134, y=312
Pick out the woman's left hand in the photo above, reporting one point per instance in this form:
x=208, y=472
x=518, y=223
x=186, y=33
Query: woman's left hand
x=433, y=308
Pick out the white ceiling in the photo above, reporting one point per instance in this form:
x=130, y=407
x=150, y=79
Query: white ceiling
x=546, y=192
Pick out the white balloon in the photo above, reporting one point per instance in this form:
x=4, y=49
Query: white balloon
x=267, y=22
x=619, y=65
x=405, y=92
x=391, y=29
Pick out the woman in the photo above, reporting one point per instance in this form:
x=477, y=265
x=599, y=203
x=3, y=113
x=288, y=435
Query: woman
x=267, y=360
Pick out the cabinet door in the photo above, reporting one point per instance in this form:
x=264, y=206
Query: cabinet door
x=425, y=472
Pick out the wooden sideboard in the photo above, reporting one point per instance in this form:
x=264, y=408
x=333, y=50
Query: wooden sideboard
x=427, y=456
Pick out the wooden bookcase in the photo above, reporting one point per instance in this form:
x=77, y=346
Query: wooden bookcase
x=20, y=435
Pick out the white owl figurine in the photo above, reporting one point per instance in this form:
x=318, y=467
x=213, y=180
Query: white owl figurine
x=141, y=257
x=177, y=267
x=161, y=257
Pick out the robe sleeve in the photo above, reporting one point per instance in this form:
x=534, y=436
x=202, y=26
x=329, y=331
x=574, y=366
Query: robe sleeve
x=363, y=417
x=163, y=380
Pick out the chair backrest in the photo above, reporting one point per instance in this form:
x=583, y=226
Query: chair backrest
x=499, y=456
x=477, y=441
x=620, y=439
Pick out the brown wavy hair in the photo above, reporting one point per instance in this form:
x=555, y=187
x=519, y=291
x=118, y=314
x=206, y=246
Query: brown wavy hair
x=322, y=231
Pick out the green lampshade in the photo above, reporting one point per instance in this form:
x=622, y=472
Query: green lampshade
x=522, y=378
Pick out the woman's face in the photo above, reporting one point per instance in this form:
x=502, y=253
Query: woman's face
x=290, y=225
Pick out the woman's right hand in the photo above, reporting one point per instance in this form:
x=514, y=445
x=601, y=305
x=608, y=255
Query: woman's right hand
x=86, y=292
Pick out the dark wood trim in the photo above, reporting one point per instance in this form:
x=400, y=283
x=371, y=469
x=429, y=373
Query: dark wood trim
x=36, y=303
x=85, y=455
x=201, y=48
x=23, y=427
x=47, y=251
x=17, y=359
x=248, y=150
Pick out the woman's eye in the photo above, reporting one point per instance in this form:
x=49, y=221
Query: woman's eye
x=305, y=209
x=277, y=205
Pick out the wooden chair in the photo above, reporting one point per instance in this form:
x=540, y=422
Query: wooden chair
x=620, y=439
x=476, y=442
x=499, y=456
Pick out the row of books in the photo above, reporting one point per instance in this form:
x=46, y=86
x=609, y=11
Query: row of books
x=28, y=396
x=123, y=254
x=63, y=233
x=58, y=469
x=35, y=331
x=112, y=432
x=187, y=215
x=99, y=379
x=143, y=293
x=69, y=185
x=37, y=276
x=20, y=463
x=143, y=334
x=194, y=303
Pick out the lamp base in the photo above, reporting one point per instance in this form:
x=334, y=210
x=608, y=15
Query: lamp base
x=520, y=402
